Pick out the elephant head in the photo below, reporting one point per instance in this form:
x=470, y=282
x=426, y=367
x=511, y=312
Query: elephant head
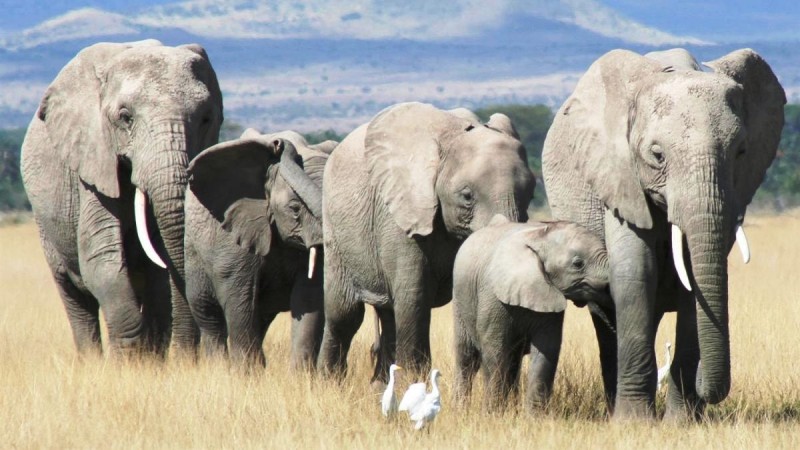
x=134, y=114
x=423, y=160
x=258, y=183
x=655, y=136
x=540, y=266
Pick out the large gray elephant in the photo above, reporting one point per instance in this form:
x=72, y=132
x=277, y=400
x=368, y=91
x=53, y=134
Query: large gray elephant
x=253, y=225
x=648, y=151
x=511, y=282
x=116, y=128
x=400, y=195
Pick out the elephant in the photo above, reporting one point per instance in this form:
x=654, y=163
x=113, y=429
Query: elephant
x=401, y=193
x=253, y=225
x=510, y=286
x=659, y=158
x=104, y=163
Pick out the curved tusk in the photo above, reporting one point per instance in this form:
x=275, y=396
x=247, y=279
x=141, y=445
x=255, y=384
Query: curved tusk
x=312, y=259
x=139, y=206
x=741, y=241
x=677, y=257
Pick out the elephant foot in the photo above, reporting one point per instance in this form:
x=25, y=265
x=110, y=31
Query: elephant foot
x=679, y=411
x=183, y=353
x=633, y=409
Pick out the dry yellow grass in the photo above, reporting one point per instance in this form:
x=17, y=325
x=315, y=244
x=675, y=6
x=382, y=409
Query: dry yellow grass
x=49, y=398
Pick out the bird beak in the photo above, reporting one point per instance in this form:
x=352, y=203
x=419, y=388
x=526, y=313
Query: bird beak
x=396, y=367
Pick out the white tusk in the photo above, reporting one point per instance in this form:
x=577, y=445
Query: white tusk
x=741, y=241
x=677, y=257
x=312, y=259
x=139, y=206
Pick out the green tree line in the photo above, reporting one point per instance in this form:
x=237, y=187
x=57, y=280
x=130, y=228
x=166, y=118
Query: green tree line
x=780, y=190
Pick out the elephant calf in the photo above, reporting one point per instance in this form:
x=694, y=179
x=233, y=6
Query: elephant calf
x=510, y=281
x=253, y=225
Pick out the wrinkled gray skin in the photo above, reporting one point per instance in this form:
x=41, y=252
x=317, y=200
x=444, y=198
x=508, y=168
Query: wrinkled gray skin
x=249, y=226
x=401, y=193
x=116, y=118
x=642, y=145
x=510, y=286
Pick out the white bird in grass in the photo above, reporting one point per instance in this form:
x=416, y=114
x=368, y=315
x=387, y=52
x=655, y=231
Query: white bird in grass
x=422, y=407
x=663, y=371
x=389, y=400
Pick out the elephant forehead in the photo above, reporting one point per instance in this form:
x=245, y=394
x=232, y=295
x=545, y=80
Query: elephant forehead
x=170, y=75
x=693, y=87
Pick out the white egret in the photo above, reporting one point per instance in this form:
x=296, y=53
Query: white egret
x=422, y=407
x=663, y=371
x=389, y=400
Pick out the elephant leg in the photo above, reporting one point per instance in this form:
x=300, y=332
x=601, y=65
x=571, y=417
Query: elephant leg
x=633, y=281
x=83, y=313
x=342, y=321
x=468, y=362
x=343, y=317
x=607, y=343
x=386, y=345
x=412, y=295
x=206, y=309
x=105, y=272
x=502, y=347
x=501, y=362
x=545, y=349
x=245, y=322
x=683, y=402
x=308, y=322
x=156, y=309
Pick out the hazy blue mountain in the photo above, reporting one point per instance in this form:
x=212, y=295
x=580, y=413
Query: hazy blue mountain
x=313, y=65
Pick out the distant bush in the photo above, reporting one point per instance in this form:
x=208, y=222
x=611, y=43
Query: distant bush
x=781, y=187
x=12, y=192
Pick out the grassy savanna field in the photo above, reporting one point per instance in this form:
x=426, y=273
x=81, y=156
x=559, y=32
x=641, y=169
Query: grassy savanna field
x=51, y=399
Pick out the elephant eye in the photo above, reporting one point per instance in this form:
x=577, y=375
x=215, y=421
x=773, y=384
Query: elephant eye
x=657, y=154
x=467, y=196
x=295, y=208
x=125, y=116
x=742, y=150
x=578, y=263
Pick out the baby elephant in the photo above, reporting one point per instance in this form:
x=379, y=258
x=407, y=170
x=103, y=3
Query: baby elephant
x=511, y=282
x=253, y=225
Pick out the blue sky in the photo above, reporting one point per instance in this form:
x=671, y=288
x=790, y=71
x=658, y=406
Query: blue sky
x=713, y=20
x=719, y=20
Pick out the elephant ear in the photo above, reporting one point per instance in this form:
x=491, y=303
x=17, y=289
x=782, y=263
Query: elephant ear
x=402, y=153
x=593, y=125
x=502, y=123
x=229, y=180
x=516, y=272
x=763, y=101
x=70, y=110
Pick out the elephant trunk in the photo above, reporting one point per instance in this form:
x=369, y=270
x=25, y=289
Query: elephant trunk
x=507, y=206
x=311, y=194
x=708, y=228
x=301, y=183
x=162, y=175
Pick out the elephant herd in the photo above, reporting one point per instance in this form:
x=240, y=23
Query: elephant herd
x=185, y=243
